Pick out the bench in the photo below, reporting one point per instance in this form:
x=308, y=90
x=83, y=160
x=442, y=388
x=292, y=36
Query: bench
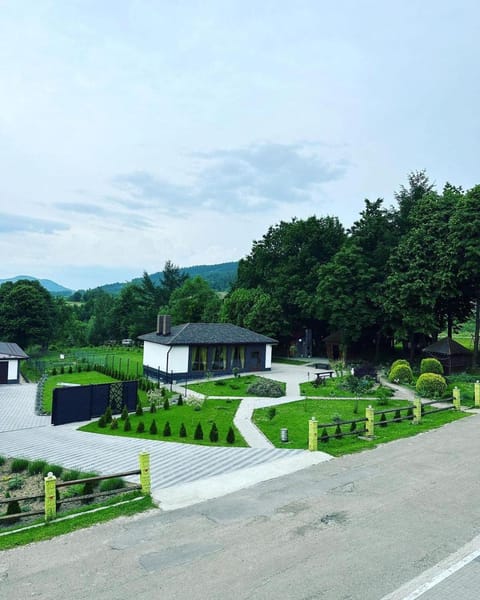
x=320, y=378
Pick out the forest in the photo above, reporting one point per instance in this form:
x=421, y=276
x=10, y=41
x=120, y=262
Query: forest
x=400, y=274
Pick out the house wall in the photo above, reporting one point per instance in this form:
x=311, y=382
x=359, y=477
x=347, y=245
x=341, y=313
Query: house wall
x=268, y=356
x=13, y=370
x=9, y=371
x=165, y=358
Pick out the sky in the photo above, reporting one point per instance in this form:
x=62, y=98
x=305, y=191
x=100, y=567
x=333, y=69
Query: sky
x=133, y=132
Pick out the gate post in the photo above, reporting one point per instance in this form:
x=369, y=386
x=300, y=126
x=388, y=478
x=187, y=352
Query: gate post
x=50, y=497
x=370, y=424
x=313, y=434
x=477, y=394
x=456, y=397
x=417, y=410
x=144, y=460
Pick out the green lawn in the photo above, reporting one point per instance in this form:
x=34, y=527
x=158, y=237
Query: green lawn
x=334, y=387
x=84, y=378
x=220, y=411
x=235, y=386
x=295, y=416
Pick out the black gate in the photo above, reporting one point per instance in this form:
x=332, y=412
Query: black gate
x=3, y=372
x=86, y=402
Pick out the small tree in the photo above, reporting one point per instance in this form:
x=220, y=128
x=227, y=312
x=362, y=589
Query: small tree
x=139, y=409
x=153, y=427
x=383, y=420
x=180, y=400
x=431, y=365
x=101, y=421
x=198, y=435
x=127, y=426
x=167, y=432
x=324, y=437
x=166, y=404
x=108, y=414
x=114, y=424
x=140, y=427
x=124, y=414
x=183, y=431
x=230, y=436
x=153, y=408
x=213, y=435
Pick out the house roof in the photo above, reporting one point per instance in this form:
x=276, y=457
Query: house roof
x=447, y=347
x=207, y=333
x=11, y=350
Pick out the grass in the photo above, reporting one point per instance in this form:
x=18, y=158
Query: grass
x=220, y=411
x=83, y=378
x=295, y=417
x=234, y=386
x=333, y=388
x=289, y=361
x=85, y=518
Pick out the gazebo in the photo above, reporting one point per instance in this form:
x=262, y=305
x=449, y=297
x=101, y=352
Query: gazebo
x=452, y=355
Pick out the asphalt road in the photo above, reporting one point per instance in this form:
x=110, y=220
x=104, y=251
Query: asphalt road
x=359, y=527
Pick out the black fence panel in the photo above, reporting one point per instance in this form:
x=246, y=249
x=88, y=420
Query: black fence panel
x=85, y=402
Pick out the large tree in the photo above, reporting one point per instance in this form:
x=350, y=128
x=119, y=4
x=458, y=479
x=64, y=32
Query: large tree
x=193, y=302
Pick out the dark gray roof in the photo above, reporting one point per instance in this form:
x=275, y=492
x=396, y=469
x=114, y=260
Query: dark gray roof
x=207, y=333
x=447, y=347
x=11, y=350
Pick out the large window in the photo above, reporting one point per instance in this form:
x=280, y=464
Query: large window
x=219, y=358
x=199, y=358
x=238, y=357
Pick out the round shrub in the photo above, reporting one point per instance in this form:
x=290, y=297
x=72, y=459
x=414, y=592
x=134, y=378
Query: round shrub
x=399, y=361
x=401, y=374
x=431, y=365
x=431, y=385
x=265, y=388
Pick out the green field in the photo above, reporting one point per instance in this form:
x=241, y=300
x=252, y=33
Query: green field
x=234, y=386
x=295, y=416
x=220, y=411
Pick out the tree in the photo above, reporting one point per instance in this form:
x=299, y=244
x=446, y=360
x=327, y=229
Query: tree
x=172, y=279
x=27, y=313
x=419, y=185
x=193, y=302
x=255, y=310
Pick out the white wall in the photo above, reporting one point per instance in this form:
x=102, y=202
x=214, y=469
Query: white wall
x=155, y=356
x=268, y=356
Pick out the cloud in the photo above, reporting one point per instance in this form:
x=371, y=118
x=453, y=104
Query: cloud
x=18, y=223
x=84, y=208
x=255, y=178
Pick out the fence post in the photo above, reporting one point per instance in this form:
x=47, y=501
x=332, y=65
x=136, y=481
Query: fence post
x=477, y=394
x=313, y=434
x=144, y=460
x=50, y=497
x=456, y=397
x=370, y=424
x=417, y=410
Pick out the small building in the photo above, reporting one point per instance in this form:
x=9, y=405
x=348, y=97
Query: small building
x=453, y=356
x=10, y=356
x=192, y=350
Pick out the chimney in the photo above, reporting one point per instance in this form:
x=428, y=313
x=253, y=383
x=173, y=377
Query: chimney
x=164, y=325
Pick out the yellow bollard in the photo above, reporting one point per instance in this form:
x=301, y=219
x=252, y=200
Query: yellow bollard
x=477, y=394
x=370, y=424
x=50, y=497
x=456, y=397
x=144, y=460
x=313, y=435
x=417, y=410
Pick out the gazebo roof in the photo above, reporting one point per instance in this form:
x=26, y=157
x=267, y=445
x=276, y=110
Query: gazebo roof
x=447, y=347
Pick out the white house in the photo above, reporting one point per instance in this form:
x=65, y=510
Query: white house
x=10, y=356
x=191, y=350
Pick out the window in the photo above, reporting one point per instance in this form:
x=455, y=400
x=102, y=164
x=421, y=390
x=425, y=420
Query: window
x=219, y=358
x=199, y=358
x=238, y=357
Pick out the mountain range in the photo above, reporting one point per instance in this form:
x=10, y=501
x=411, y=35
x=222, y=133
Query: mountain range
x=219, y=277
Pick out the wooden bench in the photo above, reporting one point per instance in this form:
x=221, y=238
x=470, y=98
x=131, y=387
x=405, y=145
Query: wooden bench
x=320, y=378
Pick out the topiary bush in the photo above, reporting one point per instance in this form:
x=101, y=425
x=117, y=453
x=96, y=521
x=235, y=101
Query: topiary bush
x=167, y=431
x=230, y=436
x=153, y=427
x=324, y=437
x=166, y=404
x=399, y=361
x=401, y=373
x=108, y=415
x=198, y=435
x=183, y=431
x=153, y=408
x=140, y=427
x=431, y=385
x=213, y=435
x=114, y=423
x=127, y=426
x=265, y=388
x=431, y=365
x=139, y=410
x=124, y=414
x=101, y=421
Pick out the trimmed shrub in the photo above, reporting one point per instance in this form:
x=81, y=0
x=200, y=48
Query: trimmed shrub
x=324, y=436
x=153, y=427
x=265, y=388
x=431, y=365
x=230, y=435
x=101, y=421
x=167, y=431
x=431, y=385
x=271, y=412
x=13, y=508
x=54, y=371
x=140, y=427
x=70, y=369
x=398, y=415
x=410, y=413
x=399, y=361
x=166, y=404
x=114, y=424
x=383, y=420
x=353, y=427
x=124, y=414
x=180, y=400
x=213, y=435
x=71, y=475
x=127, y=426
x=139, y=410
x=56, y=470
x=198, y=435
x=338, y=432
x=19, y=464
x=153, y=408
x=183, y=431
x=401, y=374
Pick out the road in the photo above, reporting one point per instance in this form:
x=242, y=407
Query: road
x=381, y=523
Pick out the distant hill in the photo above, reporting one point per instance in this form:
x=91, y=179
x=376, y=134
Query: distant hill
x=48, y=284
x=219, y=277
